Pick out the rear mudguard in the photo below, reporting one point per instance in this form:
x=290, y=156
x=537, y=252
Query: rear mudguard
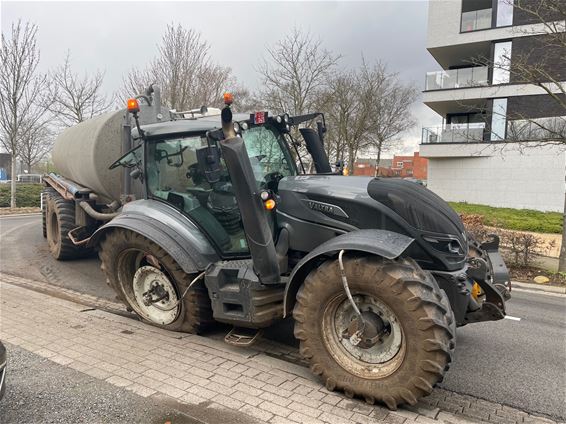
x=168, y=228
x=383, y=243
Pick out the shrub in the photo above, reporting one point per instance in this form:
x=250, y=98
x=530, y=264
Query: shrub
x=521, y=248
x=27, y=195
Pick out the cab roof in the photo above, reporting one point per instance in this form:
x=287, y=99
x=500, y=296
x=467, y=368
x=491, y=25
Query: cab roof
x=184, y=126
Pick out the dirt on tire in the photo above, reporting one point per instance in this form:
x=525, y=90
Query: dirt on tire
x=195, y=314
x=427, y=323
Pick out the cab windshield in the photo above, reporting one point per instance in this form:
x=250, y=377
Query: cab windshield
x=174, y=175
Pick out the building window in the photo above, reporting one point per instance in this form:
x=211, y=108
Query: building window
x=504, y=13
x=501, y=62
x=399, y=164
x=498, y=119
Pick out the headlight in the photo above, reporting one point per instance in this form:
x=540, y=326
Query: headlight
x=446, y=245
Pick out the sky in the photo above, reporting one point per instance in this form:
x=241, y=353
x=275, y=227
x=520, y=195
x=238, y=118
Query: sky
x=116, y=36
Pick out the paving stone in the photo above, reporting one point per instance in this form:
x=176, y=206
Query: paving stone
x=304, y=409
x=118, y=381
x=257, y=412
x=171, y=391
x=141, y=390
x=275, y=409
x=192, y=399
x=228, y=401
x=246, y=398
x=394, y=418
x=279, y=400
x=202, y=392
x=280, y=420
x=303, y=419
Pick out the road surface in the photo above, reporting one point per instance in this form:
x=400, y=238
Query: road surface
x=520, y=363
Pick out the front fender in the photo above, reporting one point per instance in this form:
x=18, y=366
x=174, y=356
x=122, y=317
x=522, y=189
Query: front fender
x=386, y=244
x=168, y=228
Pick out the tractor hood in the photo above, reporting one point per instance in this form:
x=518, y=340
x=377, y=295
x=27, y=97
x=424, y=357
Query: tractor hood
x=350, y=203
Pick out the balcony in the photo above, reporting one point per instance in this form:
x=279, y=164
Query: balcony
x=541, y=129
x=457, y=78
x=476, y=20
x=456, y=133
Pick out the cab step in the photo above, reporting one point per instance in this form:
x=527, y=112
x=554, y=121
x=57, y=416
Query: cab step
x=242, y=337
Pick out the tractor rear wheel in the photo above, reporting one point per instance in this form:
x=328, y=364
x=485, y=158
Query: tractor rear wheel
x=408, y=338
x=148, y=280
x=45, y=194
x=59, y=220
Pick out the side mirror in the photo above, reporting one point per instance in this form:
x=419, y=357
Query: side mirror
x=208, y=159
x=136, y=173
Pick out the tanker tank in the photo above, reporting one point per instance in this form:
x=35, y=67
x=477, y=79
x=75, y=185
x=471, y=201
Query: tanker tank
x=84, y=152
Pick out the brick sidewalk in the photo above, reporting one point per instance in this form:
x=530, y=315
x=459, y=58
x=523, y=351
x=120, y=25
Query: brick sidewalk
x=201, y=374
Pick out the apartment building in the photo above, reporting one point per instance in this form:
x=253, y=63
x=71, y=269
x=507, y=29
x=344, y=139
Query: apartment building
x=488, y=149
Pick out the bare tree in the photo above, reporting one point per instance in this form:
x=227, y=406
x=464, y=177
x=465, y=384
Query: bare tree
x=368, y=109
x=390, y=114
x=23, y=102
x=347, y=108
x=35, y=144
x=185, y=72
x=295, y=73
x=78, y=97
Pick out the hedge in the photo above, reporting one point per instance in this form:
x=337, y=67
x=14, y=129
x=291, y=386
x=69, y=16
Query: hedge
x=27, y=195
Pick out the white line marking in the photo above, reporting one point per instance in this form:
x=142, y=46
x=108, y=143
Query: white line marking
x=512, y=318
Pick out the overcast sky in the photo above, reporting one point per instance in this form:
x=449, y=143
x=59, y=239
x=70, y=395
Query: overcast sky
x=115, y=36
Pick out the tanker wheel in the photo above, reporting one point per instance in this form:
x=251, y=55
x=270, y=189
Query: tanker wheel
x=45, y=194
x=407, y=341
x=59, y=220
x=148, y=280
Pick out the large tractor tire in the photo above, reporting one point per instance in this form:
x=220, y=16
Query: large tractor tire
x=45, y=194
x=138, y=269
x=408, y=338
x=59, y=220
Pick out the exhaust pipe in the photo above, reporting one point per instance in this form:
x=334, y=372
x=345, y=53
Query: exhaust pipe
x=316, y=150
x=254, y=219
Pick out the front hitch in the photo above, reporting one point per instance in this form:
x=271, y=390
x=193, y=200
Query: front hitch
x=487, y=269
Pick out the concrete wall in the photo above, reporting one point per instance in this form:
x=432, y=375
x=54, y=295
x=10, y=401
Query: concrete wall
x=502, y=175
x=444, y=18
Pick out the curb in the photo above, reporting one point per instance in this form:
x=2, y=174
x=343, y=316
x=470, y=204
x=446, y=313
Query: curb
x=537, y=287
x=16, y=215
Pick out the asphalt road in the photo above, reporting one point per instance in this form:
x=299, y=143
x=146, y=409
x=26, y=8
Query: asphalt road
x=41, y=391
x=518, y=363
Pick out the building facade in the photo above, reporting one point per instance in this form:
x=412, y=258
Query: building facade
x=488, y=149
x=410, y=166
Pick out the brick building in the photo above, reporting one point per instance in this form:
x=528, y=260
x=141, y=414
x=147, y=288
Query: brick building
x=410, y=166
x=400, y=166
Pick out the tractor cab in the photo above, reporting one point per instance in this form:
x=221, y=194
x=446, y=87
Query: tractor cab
x=180, y=163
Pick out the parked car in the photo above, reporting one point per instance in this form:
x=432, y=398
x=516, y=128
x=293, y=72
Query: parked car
x=2, y=370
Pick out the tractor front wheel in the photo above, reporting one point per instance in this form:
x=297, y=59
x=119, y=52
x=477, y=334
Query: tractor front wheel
x=148, y=280
x=405, y=344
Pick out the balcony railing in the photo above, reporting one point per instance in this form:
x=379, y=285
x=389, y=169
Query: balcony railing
x=476, y=19
x=456, y=133
x=457, y=78
x=541, y=129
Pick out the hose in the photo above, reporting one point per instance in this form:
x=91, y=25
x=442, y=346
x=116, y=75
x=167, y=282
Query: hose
x=356, y=337
x=99, y=216
x=198, y=277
